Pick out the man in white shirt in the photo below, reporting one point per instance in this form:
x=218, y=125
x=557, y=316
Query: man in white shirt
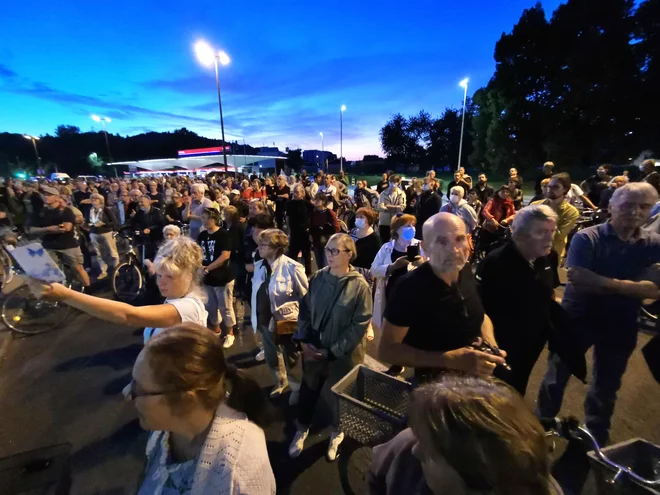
x=575, y=196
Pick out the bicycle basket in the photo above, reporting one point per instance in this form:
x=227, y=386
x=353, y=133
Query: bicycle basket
x=639, y=455
x=372, y=407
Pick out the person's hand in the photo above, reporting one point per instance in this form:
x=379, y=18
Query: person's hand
x=205, y=269
x=583, y=277
x=45, y=290
x=188, y=200
x=494, y=223
x=471, y=361
x=400, y=263
x=146, y=231
x=418, y=261
x=311, y=353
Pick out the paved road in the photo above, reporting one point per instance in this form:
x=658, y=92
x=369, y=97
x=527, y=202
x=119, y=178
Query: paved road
x=65, y=386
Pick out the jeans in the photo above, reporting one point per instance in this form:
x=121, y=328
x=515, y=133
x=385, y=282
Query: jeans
x=106, y=251
x=612, y=349
x=299, y=242
x=221, y=298
x=278, y=354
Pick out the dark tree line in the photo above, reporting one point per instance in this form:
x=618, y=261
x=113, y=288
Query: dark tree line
x=579, y=88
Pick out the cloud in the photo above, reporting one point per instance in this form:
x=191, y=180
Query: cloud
x=7, y=73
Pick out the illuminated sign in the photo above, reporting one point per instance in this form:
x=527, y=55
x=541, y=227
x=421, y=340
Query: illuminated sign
x=216, y=150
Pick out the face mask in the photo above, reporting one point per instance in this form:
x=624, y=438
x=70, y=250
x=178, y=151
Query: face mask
x=455, y=199
x=360, y=223
x=426, y=187
x=407, y=233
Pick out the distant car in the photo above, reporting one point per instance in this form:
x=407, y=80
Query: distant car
x=88, y=178
x=59, y=177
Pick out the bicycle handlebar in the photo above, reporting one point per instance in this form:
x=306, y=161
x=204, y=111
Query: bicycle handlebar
x=571, y=429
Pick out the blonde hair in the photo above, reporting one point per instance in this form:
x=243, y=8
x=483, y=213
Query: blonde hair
x=99, y=197
x=345, y=241
x=66, y=190
x=179, y=256
x=276, y=239
x=171, y=228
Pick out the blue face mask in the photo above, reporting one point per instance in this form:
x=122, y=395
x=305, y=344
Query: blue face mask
x=407, y=233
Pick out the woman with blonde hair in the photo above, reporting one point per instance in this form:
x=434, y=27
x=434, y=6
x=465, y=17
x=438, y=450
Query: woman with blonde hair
x=205, y=418
x=332, y=326
x=468, y=436
x=178, y=267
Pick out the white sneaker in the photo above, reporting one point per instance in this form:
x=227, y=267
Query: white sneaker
x=229, y=341
x=335, y=440
x=298, y=443
x=102, y=276
x=260, y=356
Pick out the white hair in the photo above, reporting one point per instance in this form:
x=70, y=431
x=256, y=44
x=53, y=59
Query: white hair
x=198, y=187
x=171, y=228
x=635, y=188
x=523, y=220
x=457, y=189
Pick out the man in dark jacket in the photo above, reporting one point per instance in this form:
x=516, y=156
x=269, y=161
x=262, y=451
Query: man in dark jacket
x=149, y=222
x=484, y=191
x=428, y=205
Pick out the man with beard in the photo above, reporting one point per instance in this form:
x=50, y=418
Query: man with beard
x=434, y=312
x=484, y=191
x=567, y=215
x=528, y=268
x=607, y=282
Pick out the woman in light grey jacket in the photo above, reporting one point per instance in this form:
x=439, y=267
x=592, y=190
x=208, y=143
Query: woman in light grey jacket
x=278, y=285
x=332, y=326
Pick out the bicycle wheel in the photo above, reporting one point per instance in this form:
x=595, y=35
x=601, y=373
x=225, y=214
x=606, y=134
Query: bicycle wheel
x=24, y=313
x=127, y=282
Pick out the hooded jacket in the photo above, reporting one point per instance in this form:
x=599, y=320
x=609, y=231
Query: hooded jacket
x=335, y=312
x=464, y=211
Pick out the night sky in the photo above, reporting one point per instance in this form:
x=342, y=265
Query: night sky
x=293, y=64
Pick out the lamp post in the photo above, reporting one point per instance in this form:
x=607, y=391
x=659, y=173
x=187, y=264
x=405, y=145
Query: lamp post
x=341, y=137
x=464, y=85
x=34, y=140
x=104, y=121
x=207, y=56
x=322, y=151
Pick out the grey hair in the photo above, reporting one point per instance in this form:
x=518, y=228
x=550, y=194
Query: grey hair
x=523, y=220
x=182, y=255
x=99, y=197
x=458, y=189
x=198, y=187
x=173, y=228
x=637, y=188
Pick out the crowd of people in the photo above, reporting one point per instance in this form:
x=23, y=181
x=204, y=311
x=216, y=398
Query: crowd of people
x=398, y=270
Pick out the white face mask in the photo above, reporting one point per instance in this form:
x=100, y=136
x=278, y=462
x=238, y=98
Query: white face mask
x=360, y=223
x=455, y=199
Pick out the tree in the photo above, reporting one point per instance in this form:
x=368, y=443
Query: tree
x=294, y=158
x=394, y=139
x=67, y=130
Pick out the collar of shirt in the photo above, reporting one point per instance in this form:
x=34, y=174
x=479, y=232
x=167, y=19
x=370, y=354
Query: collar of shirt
x=640, y=233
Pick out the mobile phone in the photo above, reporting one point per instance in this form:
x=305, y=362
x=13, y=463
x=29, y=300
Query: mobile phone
x=412, y=252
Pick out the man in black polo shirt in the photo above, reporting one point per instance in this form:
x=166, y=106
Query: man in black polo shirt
x=435, y=312
x=522, y=273
x=55, y=222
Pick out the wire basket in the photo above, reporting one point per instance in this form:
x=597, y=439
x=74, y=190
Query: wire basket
x=372, y=407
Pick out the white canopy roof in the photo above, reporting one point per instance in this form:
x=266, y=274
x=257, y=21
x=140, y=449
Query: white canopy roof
x=233, y=161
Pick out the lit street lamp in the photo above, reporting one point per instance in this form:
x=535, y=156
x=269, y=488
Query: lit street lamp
x=34, y=140
x=322, y=153
x=341, y=137
x=207, y=57
x=463, y=84
x=104, y=121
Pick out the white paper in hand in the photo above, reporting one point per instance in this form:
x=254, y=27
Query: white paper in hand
x=37, y=263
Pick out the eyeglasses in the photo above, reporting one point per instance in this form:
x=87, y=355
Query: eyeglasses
x=133, y=394
x=335, y=252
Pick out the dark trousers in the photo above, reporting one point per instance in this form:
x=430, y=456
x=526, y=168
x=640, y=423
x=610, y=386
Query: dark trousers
x=612, y=349
x=299, y=242
x=384, y=231
x=319, y=256
x=521, y=357
x=279, y=217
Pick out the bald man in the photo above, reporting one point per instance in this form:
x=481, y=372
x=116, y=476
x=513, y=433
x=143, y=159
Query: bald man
x=434, y=312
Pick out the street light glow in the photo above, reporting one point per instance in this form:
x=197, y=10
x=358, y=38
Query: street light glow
x=223, y=58
x=321, y=134
x=464, y=83
x=204, y=53
x=343, y=108
x=96, y=118
x=27, y=136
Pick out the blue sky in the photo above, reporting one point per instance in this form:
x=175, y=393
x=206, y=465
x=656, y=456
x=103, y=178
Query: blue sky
x=294, y=63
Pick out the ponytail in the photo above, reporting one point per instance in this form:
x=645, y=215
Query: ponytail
x=245, y=396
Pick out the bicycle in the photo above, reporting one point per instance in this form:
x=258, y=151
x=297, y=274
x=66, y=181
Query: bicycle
x=23, y=313
x=482, y=246
x=129, y=280
x=631, y=479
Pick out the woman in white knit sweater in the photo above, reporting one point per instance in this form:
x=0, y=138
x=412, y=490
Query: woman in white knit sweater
x=204, y=417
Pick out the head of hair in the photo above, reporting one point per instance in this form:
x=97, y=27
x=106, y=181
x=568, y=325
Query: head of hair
x=564, y=179
x=458, y=190
x=321, y=196
x=369, y=214
x=636, y=188
x=522, y=222
x=545, y=182
x=213, y=214
x=231, y=214
x=502, y=188
x=99, y=197
x=171, y=228
x=276, y=239
x=197, y=187
x=549, y=164
x=182, y=255
x=263, y=221
x=344, y=241
x=608, y=168
x=484, y=430
x=190, y=358
x=398, y=221
x=394, y=178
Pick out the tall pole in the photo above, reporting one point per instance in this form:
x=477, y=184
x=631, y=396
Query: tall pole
x=325, y=168
x=460, y=146
x=222, y=122
x=36, y=152
x=107, y=145
x=341, y=139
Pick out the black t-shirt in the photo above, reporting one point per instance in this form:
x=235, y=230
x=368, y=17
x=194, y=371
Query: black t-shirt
x=439, y=317
x=58, y=216
x=158, y=200
x=299, y=212
x=174, y=212
x=79, y=196
x=212, y=247
x=367, y=249
x=396, y=274
x=280, y=202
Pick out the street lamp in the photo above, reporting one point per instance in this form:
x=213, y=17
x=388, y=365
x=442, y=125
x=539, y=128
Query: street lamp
x=463, y=84
x=34, y=140
x=104, y=121
x=322, y=151
x=207, y=57
x=341, y=137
